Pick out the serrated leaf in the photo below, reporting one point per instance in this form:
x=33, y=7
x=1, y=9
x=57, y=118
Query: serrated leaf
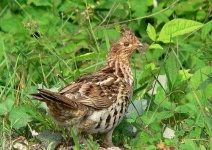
x=151, y=32
x=155, y=46
x=177, y=27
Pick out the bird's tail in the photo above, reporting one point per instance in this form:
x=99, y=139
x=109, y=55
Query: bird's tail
x=48, y=96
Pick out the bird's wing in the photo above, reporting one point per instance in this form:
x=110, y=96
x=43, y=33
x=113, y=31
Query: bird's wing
x=98, y=90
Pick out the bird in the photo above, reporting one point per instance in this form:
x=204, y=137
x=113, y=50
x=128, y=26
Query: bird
x=96, y=102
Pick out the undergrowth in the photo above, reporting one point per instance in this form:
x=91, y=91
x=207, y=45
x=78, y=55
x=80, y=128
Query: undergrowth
x=50, y=43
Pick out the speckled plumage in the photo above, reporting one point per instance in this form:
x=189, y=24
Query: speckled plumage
x=97, y=102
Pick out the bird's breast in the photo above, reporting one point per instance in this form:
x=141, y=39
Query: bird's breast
x=104, y=120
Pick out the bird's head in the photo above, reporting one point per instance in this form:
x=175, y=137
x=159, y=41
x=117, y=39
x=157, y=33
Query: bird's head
x=124, y=46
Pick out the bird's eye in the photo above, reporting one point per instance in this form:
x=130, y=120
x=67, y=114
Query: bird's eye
x=126, y=44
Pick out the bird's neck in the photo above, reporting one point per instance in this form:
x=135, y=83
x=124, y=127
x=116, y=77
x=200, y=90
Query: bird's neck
x=121, y=69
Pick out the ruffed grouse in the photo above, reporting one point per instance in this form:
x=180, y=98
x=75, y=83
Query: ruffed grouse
x=97, y=102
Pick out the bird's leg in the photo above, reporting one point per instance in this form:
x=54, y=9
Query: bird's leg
x=81, y=138
x=108, y=138
x=78, y=135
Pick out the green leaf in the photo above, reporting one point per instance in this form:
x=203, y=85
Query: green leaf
x=164, y=115
x=149, y=69
x=151, y=32
x=147, y=120
x=162, y=101
x=200, y=76
x=202, y=121
x=188, y=144
x=189, y=122
x=19, y=117
x=202, y=147
x=155, y=46
x=206, y=30
x=177, y=27
x=151, y=147
x=75, y=139
x=3, y=110
x=40, y=2
x=7, y=24
x=201, y=15
x=187, y=108
x=139, y=8
x=208, y=89
x=185, y=75
x=130, y=120
x=160, y=96
x=161, y=17
x=172, y=69
x=6, y=106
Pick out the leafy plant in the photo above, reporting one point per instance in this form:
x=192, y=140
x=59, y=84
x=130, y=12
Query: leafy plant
x=52, y=42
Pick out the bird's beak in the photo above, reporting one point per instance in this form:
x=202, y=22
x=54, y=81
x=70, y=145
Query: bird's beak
x=142, y=47
x=140, y=44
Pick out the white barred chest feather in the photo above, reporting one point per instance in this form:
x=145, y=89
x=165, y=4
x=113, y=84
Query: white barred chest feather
x=108, y=118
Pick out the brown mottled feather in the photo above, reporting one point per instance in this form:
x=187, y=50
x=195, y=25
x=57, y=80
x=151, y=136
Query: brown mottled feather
x=46, y=95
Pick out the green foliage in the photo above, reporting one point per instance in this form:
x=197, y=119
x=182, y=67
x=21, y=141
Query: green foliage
x=53, y=42
x=151, y=32
x=177, y=27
